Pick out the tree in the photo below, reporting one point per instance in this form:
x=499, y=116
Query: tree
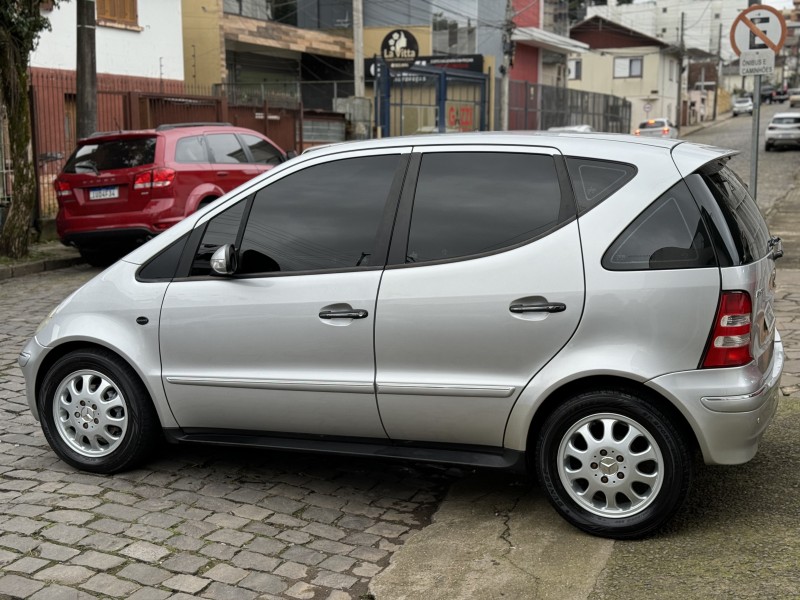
x=21, y=22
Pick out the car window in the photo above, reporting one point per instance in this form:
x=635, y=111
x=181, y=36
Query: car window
x=220, y=230
x=263, y=152
x=112, y=154
x=740, y=231
x=191, y=150
x=652, y=124
x=669, y=234
x=326, y=216
x=470, y=203
x=226, y=149
x=785, y=120
x=595, y=180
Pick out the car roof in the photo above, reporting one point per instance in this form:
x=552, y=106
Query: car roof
x=786, y=114
x=180, y=129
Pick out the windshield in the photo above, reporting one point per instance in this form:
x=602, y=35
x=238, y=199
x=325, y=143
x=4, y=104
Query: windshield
x=742, y=101
x=112, y=154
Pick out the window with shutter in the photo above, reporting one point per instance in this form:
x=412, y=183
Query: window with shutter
x=123, y=12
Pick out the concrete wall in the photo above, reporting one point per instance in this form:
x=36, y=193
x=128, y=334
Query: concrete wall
x=203, y=46
x=154, y=49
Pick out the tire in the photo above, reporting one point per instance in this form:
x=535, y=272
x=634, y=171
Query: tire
x=95, y=412
x=767, y=147
x=205, y=202
x=99, y=258
x=613, y=441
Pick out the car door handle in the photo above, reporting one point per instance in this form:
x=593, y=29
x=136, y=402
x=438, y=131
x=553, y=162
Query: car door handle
x=355, y=313
x=223, y=173
x=550, y=307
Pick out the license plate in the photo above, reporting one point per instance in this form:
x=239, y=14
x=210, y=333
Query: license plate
x=104, y=193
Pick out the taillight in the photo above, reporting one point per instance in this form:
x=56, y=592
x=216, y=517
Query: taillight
x=730, y=339
x=665, y=131
x=63, y=189
x=155, y=178
x=637, y=132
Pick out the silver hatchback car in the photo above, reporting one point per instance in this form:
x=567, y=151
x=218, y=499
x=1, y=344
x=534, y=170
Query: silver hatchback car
x=594, y=308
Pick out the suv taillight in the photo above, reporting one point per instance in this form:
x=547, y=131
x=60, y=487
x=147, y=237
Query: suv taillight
x=730, y=339
x=154, y=178
x=63, y=189
x=665, y=131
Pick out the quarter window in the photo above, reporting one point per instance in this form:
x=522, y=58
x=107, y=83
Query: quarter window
x=596, y=180
x=324, y=217
x=669, y=234
x=472, y=203
x=191, y=150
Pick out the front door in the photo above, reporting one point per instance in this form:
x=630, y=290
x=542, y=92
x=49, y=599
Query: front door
x=285, y=344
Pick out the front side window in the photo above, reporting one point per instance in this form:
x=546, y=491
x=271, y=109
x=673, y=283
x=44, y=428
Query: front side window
x=627, y=67
x=669, y=234
x=324, y=217
x=226, y=149
x=220, y=230
x=471, y=203
x=263, y=152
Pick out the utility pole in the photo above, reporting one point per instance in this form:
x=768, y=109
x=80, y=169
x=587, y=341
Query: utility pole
x=508, y=53
x=719, y=71
x=358, y=47
x=86, y=70
x=753, y=188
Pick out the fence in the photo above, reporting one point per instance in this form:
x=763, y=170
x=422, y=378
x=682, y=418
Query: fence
x=538, y=107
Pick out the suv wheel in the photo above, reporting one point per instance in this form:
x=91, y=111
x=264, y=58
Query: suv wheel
x=95, y=412
x=612, y=464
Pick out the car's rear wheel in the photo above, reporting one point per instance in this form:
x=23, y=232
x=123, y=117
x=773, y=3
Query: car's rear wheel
x=767, y=147
x=96, y=414
x=612, y=464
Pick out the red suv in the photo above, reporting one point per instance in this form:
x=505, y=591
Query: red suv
x=119, y=189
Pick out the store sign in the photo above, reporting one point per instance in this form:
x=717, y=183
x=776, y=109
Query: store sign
x=399, y=49
x=465, y=62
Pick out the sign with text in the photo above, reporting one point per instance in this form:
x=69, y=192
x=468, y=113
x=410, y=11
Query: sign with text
x=758, y=27
x=756, y=62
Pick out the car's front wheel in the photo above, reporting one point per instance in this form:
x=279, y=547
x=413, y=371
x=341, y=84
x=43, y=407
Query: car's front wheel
x=612, y=464
x=96, y=414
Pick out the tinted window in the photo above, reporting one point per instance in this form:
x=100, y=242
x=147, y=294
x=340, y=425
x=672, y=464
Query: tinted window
x=323, y=217
x=164, y=265
x=191, y=150
x=225, y=148
x=739, y=229
x=785, y=121
x=653, y=124
x=669, y=234
x=113, y=154
x=470, y=203
x=595, y=180
x=263, y=152
x=220, y=230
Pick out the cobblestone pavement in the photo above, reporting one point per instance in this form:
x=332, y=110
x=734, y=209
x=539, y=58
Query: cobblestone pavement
x=208, y=522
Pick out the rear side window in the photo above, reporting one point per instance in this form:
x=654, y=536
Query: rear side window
x=470, y=203
x=191, y=150
x=669, y=234
x=112, y=154
x=595, y=180
x=740, y=233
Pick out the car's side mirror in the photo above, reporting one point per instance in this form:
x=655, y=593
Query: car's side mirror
x=224, y=260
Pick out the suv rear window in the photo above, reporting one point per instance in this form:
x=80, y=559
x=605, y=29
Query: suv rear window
x=112, y=154
x=785, y=121
x=653, y=124
x=740, y=234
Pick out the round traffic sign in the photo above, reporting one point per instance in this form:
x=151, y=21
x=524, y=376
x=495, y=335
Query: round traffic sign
x=758, y=27
x=648, y=107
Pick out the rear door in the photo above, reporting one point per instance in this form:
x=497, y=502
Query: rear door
x=484, y=286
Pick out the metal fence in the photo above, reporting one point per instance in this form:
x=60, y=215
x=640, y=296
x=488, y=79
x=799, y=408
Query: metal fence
x=534, y=106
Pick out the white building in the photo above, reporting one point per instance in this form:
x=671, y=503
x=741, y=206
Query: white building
x=706, y=23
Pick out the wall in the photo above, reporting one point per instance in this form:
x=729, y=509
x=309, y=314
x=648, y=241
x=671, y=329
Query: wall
x=155, y=51
x=203, y=56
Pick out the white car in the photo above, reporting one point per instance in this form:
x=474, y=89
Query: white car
x=572, y=129
x=661, y=127
x=794, y=97
x=783, y=130
x=742, y=105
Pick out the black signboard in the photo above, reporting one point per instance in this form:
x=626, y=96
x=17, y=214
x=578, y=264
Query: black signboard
x=399, y=49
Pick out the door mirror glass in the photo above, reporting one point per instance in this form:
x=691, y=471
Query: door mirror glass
x=223, y=261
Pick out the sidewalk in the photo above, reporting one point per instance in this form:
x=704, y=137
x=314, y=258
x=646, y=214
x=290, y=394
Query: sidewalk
x=690, y=129
x=42, y=257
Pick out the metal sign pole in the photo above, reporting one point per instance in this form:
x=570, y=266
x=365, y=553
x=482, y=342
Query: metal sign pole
x=754, y=141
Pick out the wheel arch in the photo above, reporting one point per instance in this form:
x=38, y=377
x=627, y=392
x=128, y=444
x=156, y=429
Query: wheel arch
x=604, y=382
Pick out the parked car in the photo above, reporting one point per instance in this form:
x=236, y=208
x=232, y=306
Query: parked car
x=119, y=189
x=742, y=105
x=595, y=308
x=661, y=127
x=783, y=130
x=794, y=97
x=572, y=129
x=770, y=94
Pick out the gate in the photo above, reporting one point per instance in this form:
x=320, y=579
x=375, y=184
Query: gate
x=429, y=100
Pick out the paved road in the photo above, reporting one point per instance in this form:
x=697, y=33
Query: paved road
x=218, y=523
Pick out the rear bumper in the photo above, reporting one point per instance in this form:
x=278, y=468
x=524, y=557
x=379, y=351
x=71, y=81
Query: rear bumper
x=783, y=141
x=107, y=238
x=728, y=427
x=123, y=228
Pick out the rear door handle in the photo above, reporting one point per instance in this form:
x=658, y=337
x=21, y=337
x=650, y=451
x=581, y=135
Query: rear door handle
x=223, y=173
x=550, y=307
x=354, y=313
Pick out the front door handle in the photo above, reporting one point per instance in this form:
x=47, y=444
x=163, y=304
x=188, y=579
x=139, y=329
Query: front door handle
x=353, y=313
x=550, y=307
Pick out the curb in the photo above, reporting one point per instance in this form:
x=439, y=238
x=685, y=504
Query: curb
x=29, y=268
